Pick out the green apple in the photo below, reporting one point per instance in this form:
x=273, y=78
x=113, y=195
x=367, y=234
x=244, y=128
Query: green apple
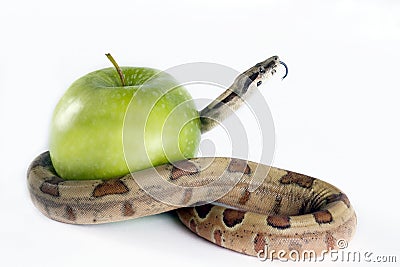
x=118, y=120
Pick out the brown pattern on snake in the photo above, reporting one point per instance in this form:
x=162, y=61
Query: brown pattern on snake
x=50, y=187
x=225, y=100
x=279, y=221
x=278, y=204
x=259, y=243
x=330, y=241
x=245, y=197
x=127, y=209
x=187, y=196
x=229, y=98
x=323, y=216
x=251, y=79
x=303, y=208
x=43, y=160
x=299, y=179
x=70, y=214
x=247, y=82
x=110, y=187
x=193, y=226
x=239, y=165
x=203, y=211
x=182, y=168
x=218, y=237
x=232, y=217
x=338, y=197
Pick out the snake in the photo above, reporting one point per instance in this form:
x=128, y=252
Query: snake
x=214, y=197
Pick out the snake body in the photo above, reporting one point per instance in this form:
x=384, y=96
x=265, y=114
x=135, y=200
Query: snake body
x=288, y=211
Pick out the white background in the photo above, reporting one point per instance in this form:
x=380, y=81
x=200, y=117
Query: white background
x=336, y=115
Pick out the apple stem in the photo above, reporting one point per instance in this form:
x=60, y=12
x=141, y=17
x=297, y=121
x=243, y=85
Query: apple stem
x=121, y=75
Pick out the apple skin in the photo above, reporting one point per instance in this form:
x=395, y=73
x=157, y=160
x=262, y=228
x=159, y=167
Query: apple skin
x=98, y=122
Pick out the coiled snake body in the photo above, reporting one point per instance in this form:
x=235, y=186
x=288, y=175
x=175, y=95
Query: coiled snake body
x=287, y=211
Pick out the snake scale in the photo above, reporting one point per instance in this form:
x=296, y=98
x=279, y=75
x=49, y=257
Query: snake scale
x=288, y=211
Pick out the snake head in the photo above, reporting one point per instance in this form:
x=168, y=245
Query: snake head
x=265, y=69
